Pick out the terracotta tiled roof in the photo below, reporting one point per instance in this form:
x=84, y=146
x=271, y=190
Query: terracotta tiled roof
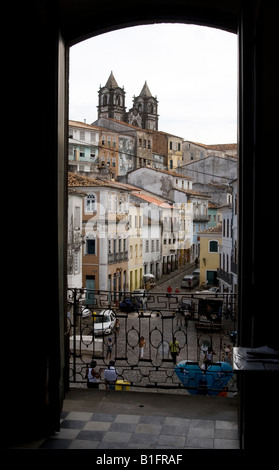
x=152, y=200
x=222, y=147
x=75, y=180
x=216, y=229
x=91, y=127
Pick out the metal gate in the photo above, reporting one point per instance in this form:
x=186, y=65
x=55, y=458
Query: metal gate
x=198, y=322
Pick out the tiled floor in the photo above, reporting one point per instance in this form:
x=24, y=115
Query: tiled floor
x=86, y=430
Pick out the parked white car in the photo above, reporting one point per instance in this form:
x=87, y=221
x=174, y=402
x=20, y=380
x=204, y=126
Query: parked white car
x=211, y=290
x=104, y=322
x=85, y=312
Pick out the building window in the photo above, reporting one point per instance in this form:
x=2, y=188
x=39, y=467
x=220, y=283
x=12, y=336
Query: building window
x=71, y=151
x=90, y=246
x=213, y=246
x=91, y=203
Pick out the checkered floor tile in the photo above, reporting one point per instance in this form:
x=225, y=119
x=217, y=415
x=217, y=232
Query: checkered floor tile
x=83, y=430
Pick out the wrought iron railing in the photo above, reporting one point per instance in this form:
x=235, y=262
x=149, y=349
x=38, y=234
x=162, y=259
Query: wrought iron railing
x=199, y=321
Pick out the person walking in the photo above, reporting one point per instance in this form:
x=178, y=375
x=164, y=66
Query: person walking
x=174, y=349
x=142, y=344
x=109, y=349
x=169, y=291
x=208, y=358
x=110, y=376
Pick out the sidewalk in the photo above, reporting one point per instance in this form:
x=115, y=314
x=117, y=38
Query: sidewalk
x=101, y=419
x=172, y=274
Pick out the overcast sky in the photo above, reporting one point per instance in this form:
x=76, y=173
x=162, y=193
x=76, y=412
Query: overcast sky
x=191, y=69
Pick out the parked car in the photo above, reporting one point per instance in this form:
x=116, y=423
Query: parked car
x=104, y=322
x=189, y=281
x=211, y=290
x=128, y=304
x=140, y=293
x=196, y=272
x=85, y=312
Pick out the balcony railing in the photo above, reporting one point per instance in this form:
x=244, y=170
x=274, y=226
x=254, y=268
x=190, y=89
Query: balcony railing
x=224, y=276
x=117, y=257
x=209, y=321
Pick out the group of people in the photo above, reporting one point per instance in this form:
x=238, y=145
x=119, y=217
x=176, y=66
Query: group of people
x=110, y=373
x=94, y=375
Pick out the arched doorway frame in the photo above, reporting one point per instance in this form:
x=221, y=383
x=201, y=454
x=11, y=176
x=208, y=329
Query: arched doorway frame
x=240, y=23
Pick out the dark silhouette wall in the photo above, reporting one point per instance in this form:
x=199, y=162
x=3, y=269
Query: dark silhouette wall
x=39, y=65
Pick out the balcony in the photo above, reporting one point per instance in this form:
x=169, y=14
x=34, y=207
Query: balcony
x=224, y=276
x=117, y=257
x=205, y=323
x=197, y=217
x=234, y=267
x=153, y=410
x=106, y=419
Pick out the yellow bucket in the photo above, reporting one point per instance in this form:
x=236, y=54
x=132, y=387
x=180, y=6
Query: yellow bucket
x=122, y=385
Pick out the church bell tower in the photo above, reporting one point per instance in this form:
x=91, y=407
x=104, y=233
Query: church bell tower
x=144, y=113
x=112, y=100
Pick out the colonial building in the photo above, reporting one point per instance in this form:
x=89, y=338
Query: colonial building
x=92, y=149
x=135, y=144
x=227, y=273
x=168, y=146
x=212, y=174
x=75, y=238
x=192, y=206
x=83, y=147
x=193, y=151
x=105, y=232
x=210, y=241
x=135, y=261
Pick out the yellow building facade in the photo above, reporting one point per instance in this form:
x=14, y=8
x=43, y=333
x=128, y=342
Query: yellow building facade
x=135, y=254
x=210, y=241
